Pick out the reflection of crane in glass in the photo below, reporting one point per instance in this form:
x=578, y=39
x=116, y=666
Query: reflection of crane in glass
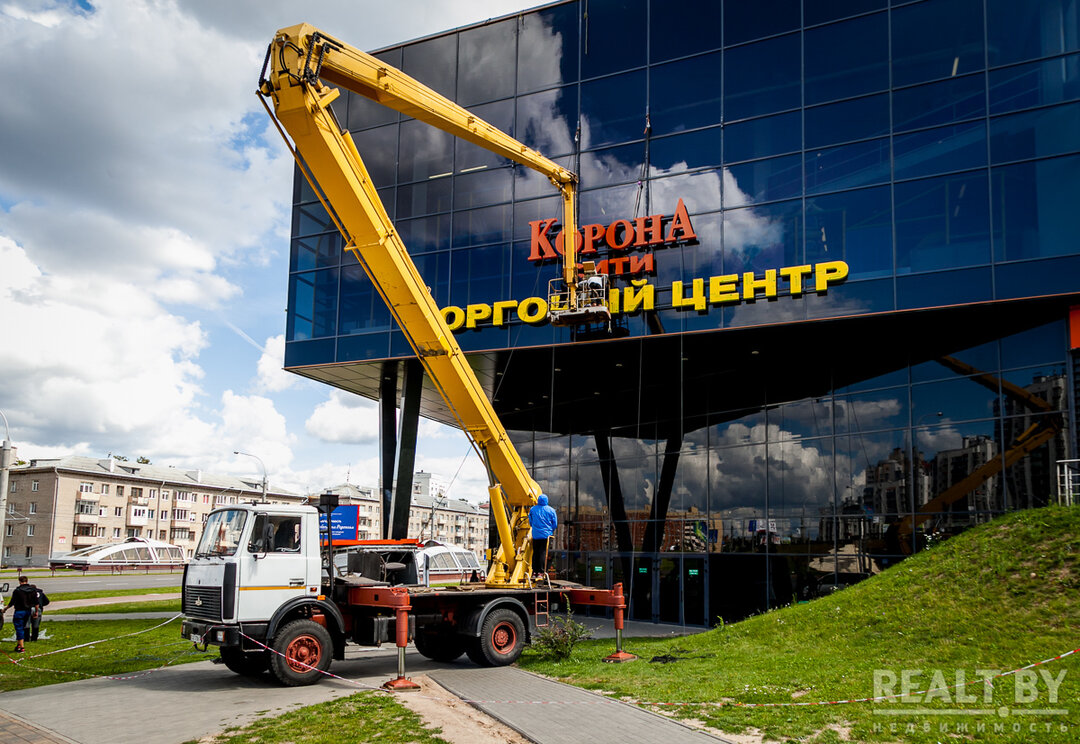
x=1039, y=433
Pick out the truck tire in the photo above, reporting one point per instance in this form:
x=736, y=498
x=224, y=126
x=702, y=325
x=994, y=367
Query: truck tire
x=304, y=650
x=502, y=637
x=441, y=647
x=245, y=663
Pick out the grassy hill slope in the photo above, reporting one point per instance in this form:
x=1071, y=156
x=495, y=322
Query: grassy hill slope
x=999, y=596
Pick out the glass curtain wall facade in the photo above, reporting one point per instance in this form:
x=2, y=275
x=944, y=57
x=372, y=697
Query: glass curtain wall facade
x=757, y=432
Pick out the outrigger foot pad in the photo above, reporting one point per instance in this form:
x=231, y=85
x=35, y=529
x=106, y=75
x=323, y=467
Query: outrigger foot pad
x=400, y=684
x=619, y=657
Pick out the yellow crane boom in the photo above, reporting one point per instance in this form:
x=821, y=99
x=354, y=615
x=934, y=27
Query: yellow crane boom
x=300, y=62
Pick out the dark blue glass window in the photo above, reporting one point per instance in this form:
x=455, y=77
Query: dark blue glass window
x=760, y=138
x=1035, y=134
x=763, y=237
x=533, y=210
x=363, y=346
x=1020, y=31
x=302, y=353
x=434, y=63
x=683, y=27
x=361, y=307
x=1042, y=345
x=860, y=118
x=1035, y=84
x=847, y=59
x=425, y=197
x=820, y=11
x=315, y=252
x=547, y=48
x=685, y=94
x=1045, y=276
x=746, y=21
x=613, y=110
x=1034, y=208
x=486, y=62
x=611, y=165
x=943, y=222
x=528, y=279
x=856, y=227
x=763, y=180
x=851, y=298
x=480, y=275
x=929, y=105
x=426, y=152
x=936, y=39
x=309, y=219
x=425, y=234
x=762, y=78
x=378, y=149
x=362, y=111
x=434, y=269
x=959, y=399
x=479, y=226
x=547, y=121
x=847, y=166
x=312, y=304
x=500, y=115
x=615, y=37
x=691, y=150
x=940, y=150
x=482, y=188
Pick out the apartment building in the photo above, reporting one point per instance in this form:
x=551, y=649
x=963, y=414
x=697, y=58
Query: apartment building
x=57, y=505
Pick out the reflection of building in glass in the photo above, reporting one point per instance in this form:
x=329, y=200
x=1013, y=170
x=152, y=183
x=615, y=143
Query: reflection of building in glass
x=951, y=466
x=746, y=436
x=1030, y=482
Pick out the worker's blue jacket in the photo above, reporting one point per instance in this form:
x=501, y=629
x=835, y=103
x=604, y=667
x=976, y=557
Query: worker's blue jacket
x=543, y=519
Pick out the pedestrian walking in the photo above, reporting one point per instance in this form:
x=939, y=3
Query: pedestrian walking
x=23, y=600
x=36, y=613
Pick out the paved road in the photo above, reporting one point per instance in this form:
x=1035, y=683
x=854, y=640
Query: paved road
x=94, y=582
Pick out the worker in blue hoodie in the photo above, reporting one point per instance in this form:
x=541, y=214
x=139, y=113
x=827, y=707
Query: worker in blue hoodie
x=543, y=520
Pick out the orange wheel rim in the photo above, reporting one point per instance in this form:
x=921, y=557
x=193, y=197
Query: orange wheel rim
x=303, y=653
x=504, y=638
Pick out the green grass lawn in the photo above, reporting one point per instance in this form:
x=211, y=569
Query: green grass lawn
x=108, y=654
x=114, y=593
x=996, y=597
x=152, y=605
x=366, y=716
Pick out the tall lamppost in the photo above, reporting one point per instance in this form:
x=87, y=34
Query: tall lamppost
x=5, y=466
x=261, y=463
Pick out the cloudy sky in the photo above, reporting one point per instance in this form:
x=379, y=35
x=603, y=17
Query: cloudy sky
x=144, y=225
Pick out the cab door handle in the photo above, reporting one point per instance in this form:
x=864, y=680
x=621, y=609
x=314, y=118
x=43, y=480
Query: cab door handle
x=296, y=582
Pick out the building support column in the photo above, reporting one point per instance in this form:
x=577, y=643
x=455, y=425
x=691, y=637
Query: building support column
x=387, y=440
x=406, y=449
x=609, y=469
x=654, y=530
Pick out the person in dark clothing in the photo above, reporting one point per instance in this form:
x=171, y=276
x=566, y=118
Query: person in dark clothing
x=35, y=616
x=544, y=521
x=23, y=600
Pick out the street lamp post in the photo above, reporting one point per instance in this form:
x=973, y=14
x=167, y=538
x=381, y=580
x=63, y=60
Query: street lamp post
x=262, y=464
x=5, y=466
x=443, y=502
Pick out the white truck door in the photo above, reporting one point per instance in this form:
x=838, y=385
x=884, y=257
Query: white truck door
x=277, y=566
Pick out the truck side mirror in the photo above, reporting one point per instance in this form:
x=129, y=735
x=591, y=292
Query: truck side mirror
x=4, y=588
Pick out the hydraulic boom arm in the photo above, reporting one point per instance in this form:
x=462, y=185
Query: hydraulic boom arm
x=300, y=60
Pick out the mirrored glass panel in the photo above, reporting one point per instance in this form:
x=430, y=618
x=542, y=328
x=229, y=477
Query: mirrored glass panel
x=486, y=62
x=614, y=36
x=685, y=94
x=940, y=150
x=434, y=63
x=763, y=237
x=748, y=21
x=1034, y=208
x=847, y=166
x=846, y=59
x=860, y=118
x=944, y=102
x=613, y=110
x=942, y=222
x=854, y=226
x=936, y=39
x=762, y=78
x=1035, y=134
x=759, y=138
x=1035, y=84
x=1023, y=31
x=671, y=36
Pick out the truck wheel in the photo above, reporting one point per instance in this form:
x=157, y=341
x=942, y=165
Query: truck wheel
x=439, y=646
x=245, y=663
x=501, y=639
x=304, y=650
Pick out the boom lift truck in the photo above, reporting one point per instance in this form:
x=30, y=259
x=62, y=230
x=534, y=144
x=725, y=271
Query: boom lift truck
x=263, y=585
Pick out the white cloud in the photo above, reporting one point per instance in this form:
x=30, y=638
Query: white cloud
x=345, y=417
x=271, y=377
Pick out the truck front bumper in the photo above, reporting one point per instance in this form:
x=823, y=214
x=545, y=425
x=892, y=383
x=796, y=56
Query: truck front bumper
x=201, y=632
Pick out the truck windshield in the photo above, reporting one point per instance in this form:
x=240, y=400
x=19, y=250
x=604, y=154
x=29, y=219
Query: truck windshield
x=221, y=535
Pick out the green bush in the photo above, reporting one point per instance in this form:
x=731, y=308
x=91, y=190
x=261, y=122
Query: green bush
x=557, y=639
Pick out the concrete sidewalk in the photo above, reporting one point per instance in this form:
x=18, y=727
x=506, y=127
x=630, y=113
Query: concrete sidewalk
x=178, y=704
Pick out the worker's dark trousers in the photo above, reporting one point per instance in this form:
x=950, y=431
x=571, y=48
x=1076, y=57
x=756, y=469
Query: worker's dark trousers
x=539, y=558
